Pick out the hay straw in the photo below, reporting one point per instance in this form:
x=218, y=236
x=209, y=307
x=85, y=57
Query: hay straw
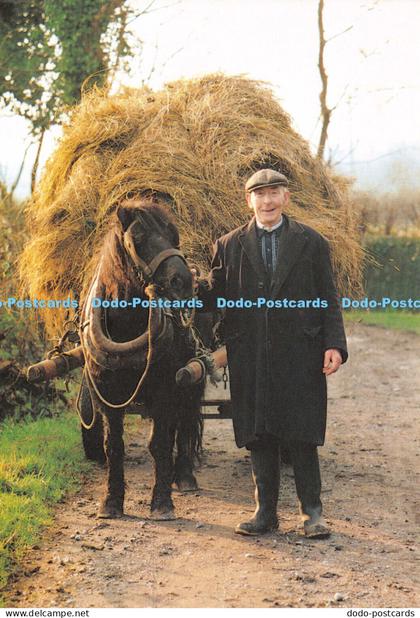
x=196, y=141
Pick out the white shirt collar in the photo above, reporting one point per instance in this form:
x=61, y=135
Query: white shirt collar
x=269, y=229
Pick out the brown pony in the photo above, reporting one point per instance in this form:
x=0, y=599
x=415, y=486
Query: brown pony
x=133, y=353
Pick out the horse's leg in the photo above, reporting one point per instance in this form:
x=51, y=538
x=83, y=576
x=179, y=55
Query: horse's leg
x=161, y=447
x=112, y=504
x=184, y=477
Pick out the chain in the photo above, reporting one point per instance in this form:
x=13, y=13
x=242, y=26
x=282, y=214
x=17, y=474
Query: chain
x=225, y=378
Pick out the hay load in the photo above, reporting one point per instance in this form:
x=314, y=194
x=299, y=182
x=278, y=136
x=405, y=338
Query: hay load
x=194, y=142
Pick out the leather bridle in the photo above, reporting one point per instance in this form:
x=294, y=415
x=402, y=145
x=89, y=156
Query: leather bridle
x=147, y=270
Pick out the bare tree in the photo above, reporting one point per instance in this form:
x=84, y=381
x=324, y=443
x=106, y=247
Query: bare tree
x=19, y=174
x=325, y=110
x=36, y=162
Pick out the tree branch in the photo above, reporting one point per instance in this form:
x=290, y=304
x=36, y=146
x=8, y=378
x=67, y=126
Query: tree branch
x=16, y=182
x=36, y=162
x=143, y=12
x=339, y=34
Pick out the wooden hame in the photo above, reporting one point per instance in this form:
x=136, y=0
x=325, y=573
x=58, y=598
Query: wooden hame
x=65, y=362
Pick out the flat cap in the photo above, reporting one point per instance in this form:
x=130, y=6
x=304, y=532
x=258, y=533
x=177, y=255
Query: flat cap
x=265, y=178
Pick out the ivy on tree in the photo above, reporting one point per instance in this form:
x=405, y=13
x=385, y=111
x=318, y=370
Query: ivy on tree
x=49, y=50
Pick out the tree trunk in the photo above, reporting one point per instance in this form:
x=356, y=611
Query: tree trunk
x=36, y=162
x=16, y=182
x=325, y=111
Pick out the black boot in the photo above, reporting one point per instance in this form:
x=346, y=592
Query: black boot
x=266, y=475
x=308, y=487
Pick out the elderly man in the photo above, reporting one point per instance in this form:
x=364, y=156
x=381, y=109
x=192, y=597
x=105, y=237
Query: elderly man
x=281, y=348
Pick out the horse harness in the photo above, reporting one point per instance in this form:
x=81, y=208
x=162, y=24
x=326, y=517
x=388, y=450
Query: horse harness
x=147, y=270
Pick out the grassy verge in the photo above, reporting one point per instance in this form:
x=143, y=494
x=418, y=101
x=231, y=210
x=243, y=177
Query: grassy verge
x=40, y=460
x=400, y=320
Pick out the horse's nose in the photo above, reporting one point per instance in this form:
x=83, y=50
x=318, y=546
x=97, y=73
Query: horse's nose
x=179, y=283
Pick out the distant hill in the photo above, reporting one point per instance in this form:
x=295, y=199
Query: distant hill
x=389, y=172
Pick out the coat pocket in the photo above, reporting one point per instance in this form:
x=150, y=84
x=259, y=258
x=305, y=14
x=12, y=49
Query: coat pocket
x=233, y=337
x=312, y=331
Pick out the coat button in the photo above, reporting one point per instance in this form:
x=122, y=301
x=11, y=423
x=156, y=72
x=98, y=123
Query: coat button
x=260, y=284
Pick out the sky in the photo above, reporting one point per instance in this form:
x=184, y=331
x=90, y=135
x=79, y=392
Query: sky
x=372, y=60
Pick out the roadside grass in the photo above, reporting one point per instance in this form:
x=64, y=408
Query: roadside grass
x=40, y=461
x=399, y=320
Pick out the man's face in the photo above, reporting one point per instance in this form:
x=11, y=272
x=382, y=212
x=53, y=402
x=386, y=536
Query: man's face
x=268, y=203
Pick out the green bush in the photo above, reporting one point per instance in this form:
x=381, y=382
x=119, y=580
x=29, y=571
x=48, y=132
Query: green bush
x=398, y=272
x=21, y=337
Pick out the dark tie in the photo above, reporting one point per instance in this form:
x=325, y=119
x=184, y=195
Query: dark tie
x=268, y=246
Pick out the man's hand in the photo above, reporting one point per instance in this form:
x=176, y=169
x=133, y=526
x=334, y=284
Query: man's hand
x=332, y=361
x=195, y=272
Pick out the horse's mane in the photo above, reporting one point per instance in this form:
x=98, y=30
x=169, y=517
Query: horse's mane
x=117, y=272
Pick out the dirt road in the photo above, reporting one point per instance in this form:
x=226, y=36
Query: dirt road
x=370, y=475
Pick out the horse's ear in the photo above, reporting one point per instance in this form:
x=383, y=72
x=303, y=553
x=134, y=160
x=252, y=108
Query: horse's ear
x=126, y=216
x=174, y=234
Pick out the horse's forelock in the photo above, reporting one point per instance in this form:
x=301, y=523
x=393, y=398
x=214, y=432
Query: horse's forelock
x=160, y=214
x=117, y=271
x=162, y=217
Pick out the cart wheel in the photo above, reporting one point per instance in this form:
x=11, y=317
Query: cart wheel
x=93, y=439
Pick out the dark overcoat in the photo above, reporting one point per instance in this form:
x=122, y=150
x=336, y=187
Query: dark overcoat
x=275, y=354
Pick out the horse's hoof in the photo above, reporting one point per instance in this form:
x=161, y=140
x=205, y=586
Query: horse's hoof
x=186, y=485
x=109, y=511
x=316, y=527
x=320, y=530
x=163, y=515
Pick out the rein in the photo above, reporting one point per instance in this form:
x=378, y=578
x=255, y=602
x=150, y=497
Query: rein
x=117, y=406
